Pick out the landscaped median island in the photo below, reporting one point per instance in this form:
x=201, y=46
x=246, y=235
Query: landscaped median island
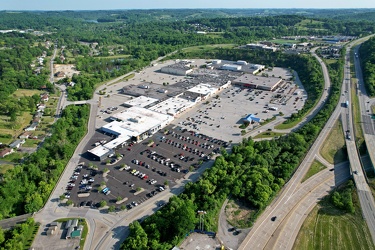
x=315, y=168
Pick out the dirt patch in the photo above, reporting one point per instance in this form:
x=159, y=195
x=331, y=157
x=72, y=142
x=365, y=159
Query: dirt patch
x=238, y=213
x=67, y=69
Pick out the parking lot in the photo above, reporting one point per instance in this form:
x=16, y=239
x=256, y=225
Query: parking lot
x=221, y=117
x=145, y=169
x=140, y=171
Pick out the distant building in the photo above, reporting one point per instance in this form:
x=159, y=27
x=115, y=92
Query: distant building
x=17, y=143
x=251, y=119
x=6, y=151
x=256, y=68
x=257, y=46
x=179, y=68
x=25, y=135
x=44, y=97
x=231, y=67
x=257, y=82
x=32, y=127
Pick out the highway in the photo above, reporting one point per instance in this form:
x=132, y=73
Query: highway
x=365, y=196
x=290, y=203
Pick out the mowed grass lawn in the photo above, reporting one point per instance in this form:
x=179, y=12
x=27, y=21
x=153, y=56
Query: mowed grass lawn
x=208, y=47
x=26, y=92
x=15, y=128
x=268, y=135
x=333, y=149
x=329, y=228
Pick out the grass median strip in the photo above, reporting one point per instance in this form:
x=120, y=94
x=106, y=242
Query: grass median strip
x=315, y=168
x=334, y=150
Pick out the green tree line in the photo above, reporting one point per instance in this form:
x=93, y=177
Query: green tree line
x=26, y=187
x=367, y=57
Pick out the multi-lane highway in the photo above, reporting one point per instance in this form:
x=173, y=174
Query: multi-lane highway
x=291, y=207
x=365, y=196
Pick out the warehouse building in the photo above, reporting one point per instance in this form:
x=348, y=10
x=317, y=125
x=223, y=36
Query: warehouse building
x=256, y=68
x=203, y=90
x=258, y=82
x=141, y=101
x=257, y=46
x=134, y=124
x=180, y=68
x=231, y=67
x=175, y=105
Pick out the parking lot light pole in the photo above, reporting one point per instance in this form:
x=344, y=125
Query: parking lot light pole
x=201, y=219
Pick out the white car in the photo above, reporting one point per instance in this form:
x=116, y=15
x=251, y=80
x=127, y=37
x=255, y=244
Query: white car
x=88, y=187
x=83, y=182
x=71, y=185
x=74, y=177
x=85, y=175
x=91, y=180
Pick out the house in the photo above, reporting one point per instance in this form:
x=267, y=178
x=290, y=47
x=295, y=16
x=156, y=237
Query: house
x=25, y=135
x=32, y=127
x=44, y=97
x=41, y=107
x=5, y=152
x=17, y=143
x=38, y=114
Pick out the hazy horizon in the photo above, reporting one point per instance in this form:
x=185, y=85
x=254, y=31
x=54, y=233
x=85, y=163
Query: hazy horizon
x=48, y=5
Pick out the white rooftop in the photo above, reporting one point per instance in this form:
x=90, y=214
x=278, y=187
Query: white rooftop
x=172, y=106
x=136, y=120
x=117, y=142
x=100, y=150
x=203, y=89
x=141, y=101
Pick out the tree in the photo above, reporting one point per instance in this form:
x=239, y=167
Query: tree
x=102, y=203
x=111, y=208
x=69, y=202
x=2, y=237
x=119, y=198
x=137, y=239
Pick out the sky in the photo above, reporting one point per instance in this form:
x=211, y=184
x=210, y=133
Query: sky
x=177, y=4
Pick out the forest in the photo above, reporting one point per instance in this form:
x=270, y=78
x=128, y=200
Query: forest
x=367, y=57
